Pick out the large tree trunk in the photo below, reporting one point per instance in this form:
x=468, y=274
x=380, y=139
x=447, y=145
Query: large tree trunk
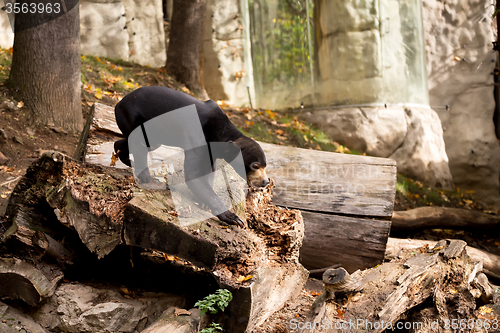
x=184, y=55
x=46, y=65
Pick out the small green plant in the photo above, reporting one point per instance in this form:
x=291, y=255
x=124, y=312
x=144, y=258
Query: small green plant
x=212, y=303
x=213, y=328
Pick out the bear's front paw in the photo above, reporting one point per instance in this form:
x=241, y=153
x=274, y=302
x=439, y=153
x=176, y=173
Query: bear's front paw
x=231, y=218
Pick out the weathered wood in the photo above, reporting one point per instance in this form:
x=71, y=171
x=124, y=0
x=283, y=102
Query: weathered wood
x=104, y=119
x=104, y=208
x=22, y=280
x=330, y=182
x=81, y=147
x=354, y=242
x=321, y=185
x=391, y=291
x=491, y=262
x=338, y=281
x=316, y=180
x=442, y=217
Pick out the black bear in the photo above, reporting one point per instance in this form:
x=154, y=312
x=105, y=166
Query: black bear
x=148, y=107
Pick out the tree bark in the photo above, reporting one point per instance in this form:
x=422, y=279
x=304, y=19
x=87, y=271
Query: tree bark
x=185, y=49
x=46, y=65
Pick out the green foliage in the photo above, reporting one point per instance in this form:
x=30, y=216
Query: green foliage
x=213, y=328
x=213, y=302
x=280, y=46
x=5, y=61
x=417, y=194
x=115, y=75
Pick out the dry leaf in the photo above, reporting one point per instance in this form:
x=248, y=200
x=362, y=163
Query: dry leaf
x=180, y=312
x=243, y=278
x=485, y=310
x=98, y=93
x=20, y=104
x=114, y=158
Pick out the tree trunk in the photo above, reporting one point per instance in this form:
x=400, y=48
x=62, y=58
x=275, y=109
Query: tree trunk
x=185, y=49
x=46, y=65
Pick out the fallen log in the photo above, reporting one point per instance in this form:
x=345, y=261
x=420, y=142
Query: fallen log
x=442, y=217
x=102, y=209
x=346, y=200
x=491, y=262
x=174, y=320
x=376, y=299
x=22, y=280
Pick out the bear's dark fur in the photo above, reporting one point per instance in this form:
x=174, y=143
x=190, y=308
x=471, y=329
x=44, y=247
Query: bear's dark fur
x=147, y=103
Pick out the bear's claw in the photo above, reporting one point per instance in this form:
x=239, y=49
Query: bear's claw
x=231, y=218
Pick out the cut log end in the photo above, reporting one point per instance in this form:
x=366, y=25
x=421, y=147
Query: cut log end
x=339, y=281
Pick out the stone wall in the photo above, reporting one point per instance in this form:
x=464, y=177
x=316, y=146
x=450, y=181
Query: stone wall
x=6, y=34
x=224, y=72
x=360, y=60
x=146, y=32
x=130, y=30
x=460, y=62
x=101, y=29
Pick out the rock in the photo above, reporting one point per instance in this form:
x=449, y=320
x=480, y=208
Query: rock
x=78, y=308
x=169, y=321
x=9, y=106
x=14, y=321
x=224, y=69
x=412, y=136
x=3, y=136
x=102, y=30
x=3, y=159
x=376, y=131
x=146, y=34
x=18, y=139
x=422, y=154
x=350, y=16
x=466, y=85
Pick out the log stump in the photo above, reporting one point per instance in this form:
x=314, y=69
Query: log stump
x=61, y=204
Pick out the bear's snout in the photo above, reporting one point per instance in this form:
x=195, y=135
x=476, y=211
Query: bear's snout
x=258, y=177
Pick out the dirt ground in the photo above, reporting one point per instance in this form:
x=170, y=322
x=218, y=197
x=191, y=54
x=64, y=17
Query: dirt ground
x=24, y=143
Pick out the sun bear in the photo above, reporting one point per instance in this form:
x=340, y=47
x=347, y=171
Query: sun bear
x=155, y=116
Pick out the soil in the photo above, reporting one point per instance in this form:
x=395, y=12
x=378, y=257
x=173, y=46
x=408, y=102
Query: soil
x=25, y=144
